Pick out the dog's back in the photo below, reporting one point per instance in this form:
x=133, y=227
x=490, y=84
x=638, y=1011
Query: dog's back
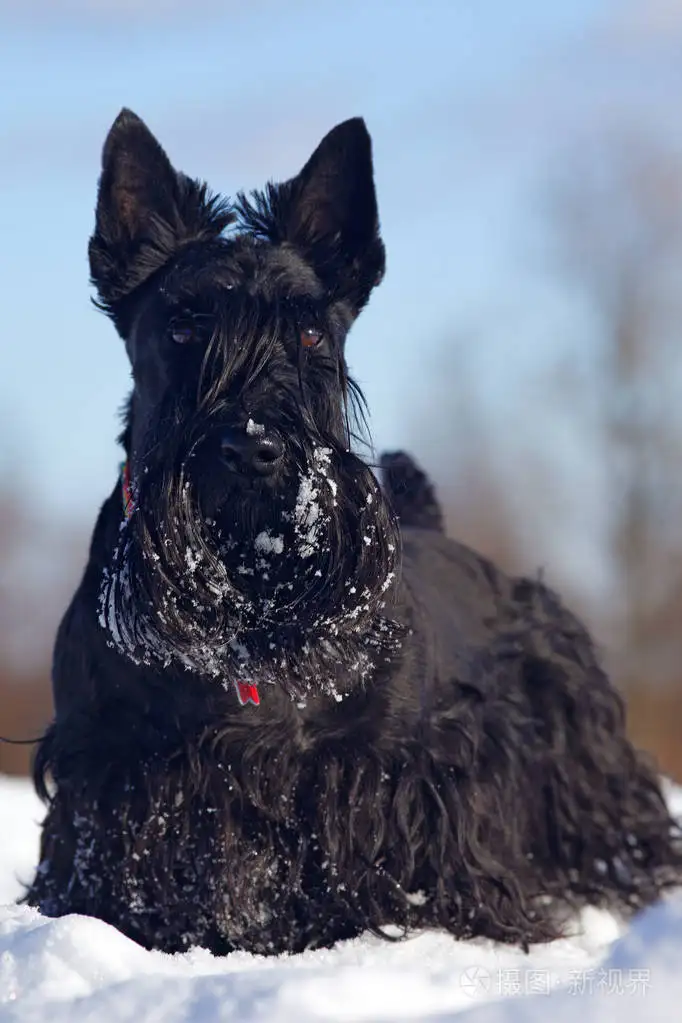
x=451, y=597
x=501, y=661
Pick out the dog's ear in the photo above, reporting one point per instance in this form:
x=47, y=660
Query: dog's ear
x=137, y=184
x=332, y=213
x=136, y=202
x=145, y=211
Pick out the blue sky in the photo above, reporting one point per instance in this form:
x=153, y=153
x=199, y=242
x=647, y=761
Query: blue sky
x=468, y=103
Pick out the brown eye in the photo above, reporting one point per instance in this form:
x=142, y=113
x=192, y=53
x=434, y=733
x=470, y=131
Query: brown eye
x=311, y=337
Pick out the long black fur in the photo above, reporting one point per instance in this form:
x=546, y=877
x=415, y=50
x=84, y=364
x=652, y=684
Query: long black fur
x=436, y=743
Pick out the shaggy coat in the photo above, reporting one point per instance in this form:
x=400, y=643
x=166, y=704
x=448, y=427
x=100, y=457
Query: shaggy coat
x=436, y=744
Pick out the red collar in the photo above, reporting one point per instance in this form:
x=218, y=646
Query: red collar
x=127, y=490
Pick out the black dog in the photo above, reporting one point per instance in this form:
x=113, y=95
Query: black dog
x=282, y=718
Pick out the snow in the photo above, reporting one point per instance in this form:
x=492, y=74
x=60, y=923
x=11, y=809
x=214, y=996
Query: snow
x=78, y=969
x=268, y=544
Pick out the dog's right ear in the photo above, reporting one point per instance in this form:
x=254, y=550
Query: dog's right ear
x=332, y=213
x=328, y=212
x=137, y=210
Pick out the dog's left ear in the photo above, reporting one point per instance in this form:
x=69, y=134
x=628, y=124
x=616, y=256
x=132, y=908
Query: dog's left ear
x=332, y=213
x=145, y=211
x=137, y=199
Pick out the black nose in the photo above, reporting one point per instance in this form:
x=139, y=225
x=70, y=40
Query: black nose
x=260, y=453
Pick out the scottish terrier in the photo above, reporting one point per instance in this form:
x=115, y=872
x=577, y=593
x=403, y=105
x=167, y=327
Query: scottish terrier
x=288, y=709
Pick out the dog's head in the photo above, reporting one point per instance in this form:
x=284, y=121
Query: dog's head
x=259, y=543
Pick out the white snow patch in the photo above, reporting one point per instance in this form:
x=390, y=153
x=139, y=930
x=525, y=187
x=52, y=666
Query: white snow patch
x=77, y=969
x=254, y=429
x=268, y=544
x=240, y=650
x=193, y=559
x=308, y=517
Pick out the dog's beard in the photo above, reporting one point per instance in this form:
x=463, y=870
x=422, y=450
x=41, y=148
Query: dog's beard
x=286, y=588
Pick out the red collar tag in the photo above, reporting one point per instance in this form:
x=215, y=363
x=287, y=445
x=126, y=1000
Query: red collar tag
x=247, y=693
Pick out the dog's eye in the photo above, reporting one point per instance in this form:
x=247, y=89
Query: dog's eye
x=311, y=337
x=183, y=333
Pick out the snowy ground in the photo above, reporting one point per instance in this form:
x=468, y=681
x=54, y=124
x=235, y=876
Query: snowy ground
x=78, y=969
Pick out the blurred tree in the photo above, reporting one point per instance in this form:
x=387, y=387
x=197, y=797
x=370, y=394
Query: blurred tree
x=496, y=489
x=615, y=223
x=617, y=218
x=40, y=558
